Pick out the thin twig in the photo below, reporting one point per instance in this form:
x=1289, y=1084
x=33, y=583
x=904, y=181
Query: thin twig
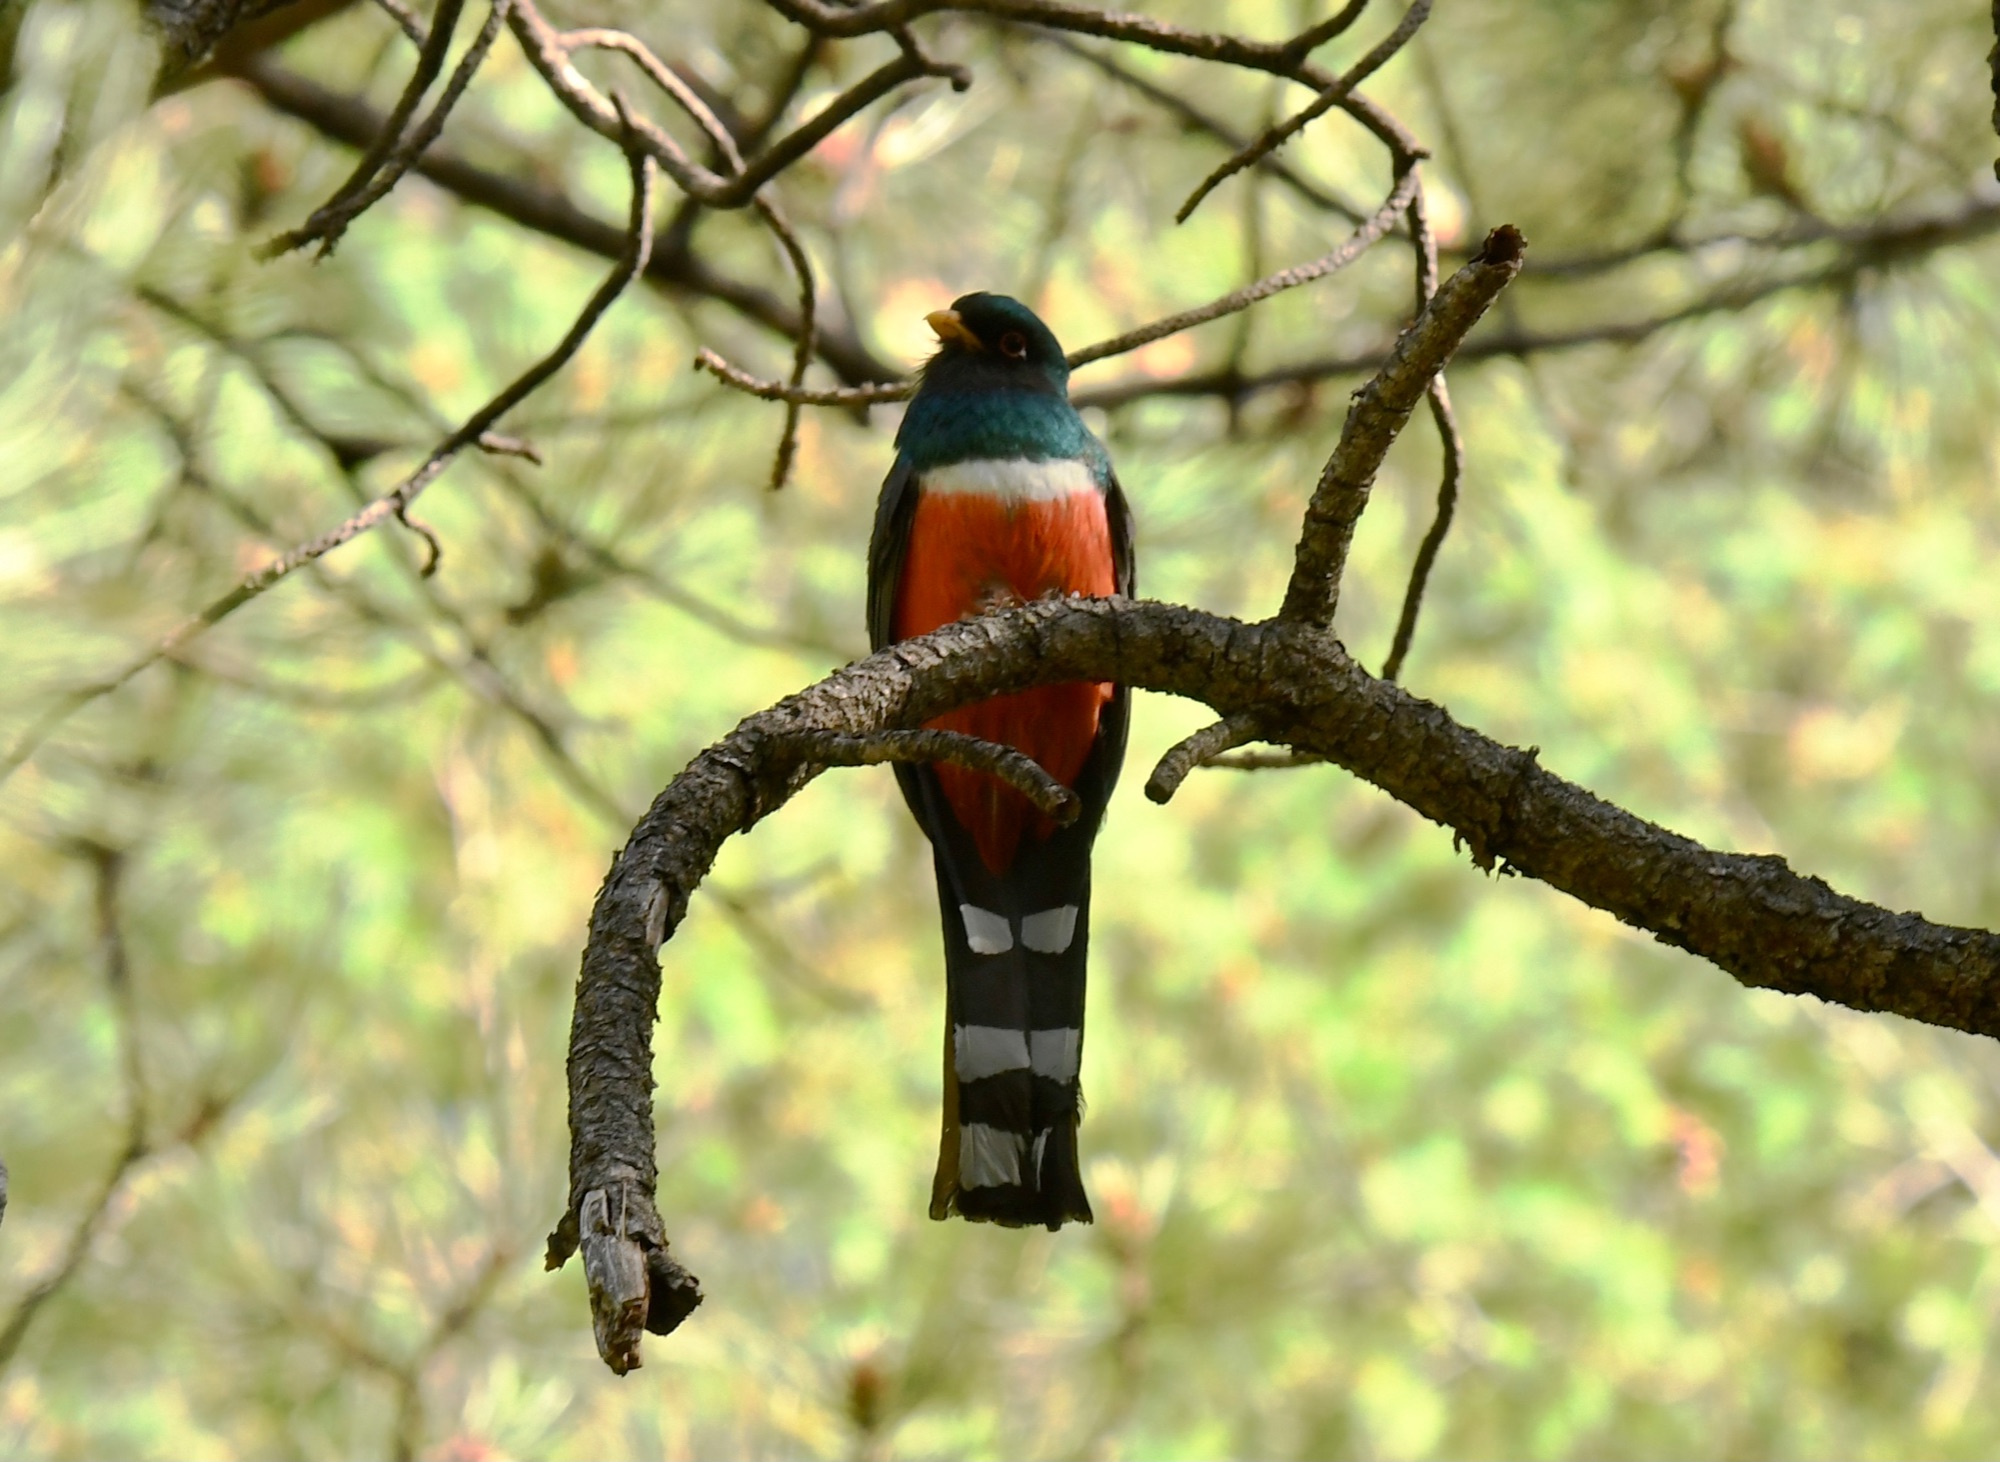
x=1264, y=761
x=1019, y=771
x=1332, y=96
x=604, y=38
x=802, y=351
x=554, y=214
x=1449, y=438
x=1196, y=750
x=1314, y=36
x=724, y=142
x=834, y=18
x=330, y=223
x=546, y=51
x=1199, y=120
x=430, y=61
x=108, y=868
x=1359, y=242
x=1370, y=231
x=1865, y=250
x=392, y=504
x=406, y=19
x=742, y=380
x=1380, y=410
x=1447, y=502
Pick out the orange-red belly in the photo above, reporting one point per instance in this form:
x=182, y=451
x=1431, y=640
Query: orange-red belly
x=970, y=552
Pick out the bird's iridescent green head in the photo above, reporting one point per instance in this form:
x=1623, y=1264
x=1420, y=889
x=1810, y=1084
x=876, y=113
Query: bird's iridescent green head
x=994, y=342
x=998, y=387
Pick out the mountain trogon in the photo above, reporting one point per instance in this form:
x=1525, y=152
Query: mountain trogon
x=1001, y=495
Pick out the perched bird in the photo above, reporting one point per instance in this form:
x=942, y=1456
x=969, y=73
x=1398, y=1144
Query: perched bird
x=1001, y=495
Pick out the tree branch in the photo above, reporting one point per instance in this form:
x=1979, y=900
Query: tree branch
x=375, y=176
x=1019, y=771
x=1370, y=231
x=1751, y=915
x=393, y=504
x=1878, y=246
x=107, y=867
x=351, y=121
x=1331, y=96
x=1380, y=409
x=550, y=56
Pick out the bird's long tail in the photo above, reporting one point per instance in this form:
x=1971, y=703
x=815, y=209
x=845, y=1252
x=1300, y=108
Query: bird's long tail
x=1015, y=954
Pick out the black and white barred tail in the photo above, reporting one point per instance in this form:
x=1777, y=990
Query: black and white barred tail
x=1016, y=947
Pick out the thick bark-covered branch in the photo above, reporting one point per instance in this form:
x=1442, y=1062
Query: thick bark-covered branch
x=1751, y=915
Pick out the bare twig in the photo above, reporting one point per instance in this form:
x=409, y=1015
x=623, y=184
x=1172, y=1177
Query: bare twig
x=802, y=350
x=352, y=121
x=501, y=445
x=1330, y=97
x=1197, y=750
x=1439, y=396
x=545, y=49
x=1380, y=409
x=331, y=221
x=108, y=869
x=1878, y=247
x=1370, y=231
x=662, y=75
x=1453, y=443
x=1337, y=24
x=1196, y=119
x=392, y=504
x=430, y=61
x=406, y=20
x=1264, y=761
x=833, y=19
x=742, y=380
x=1021, y=772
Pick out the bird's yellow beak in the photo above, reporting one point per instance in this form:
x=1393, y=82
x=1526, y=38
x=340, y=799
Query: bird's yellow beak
x=951, y=329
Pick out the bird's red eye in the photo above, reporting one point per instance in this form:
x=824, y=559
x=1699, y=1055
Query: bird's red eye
x=1014, y=345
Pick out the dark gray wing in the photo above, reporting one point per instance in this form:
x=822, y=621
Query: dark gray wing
x=1100, y=770
x=886, y=546
x=1124, y=571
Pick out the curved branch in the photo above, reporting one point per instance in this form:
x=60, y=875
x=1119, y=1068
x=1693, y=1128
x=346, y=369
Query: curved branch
x=547, y=51
x=1751, y=915
x=1356, y=244
x=394, y=504
x=1882, y=246
x=1019, y=771
x=1197, y=750
x=339, y=209
x=1332, y=95
x=1365, y=236
x=352, y=121
x=1380, y=409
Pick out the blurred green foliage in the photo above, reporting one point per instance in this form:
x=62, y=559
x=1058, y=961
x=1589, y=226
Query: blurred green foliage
x=1391, y=1159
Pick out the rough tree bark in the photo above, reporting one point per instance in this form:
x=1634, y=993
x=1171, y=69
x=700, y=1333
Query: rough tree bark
x=1286, y=680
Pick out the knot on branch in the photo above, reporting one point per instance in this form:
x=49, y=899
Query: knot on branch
x=1488, y=839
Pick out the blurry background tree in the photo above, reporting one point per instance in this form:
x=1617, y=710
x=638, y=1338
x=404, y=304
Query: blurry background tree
x=1391, y=1158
